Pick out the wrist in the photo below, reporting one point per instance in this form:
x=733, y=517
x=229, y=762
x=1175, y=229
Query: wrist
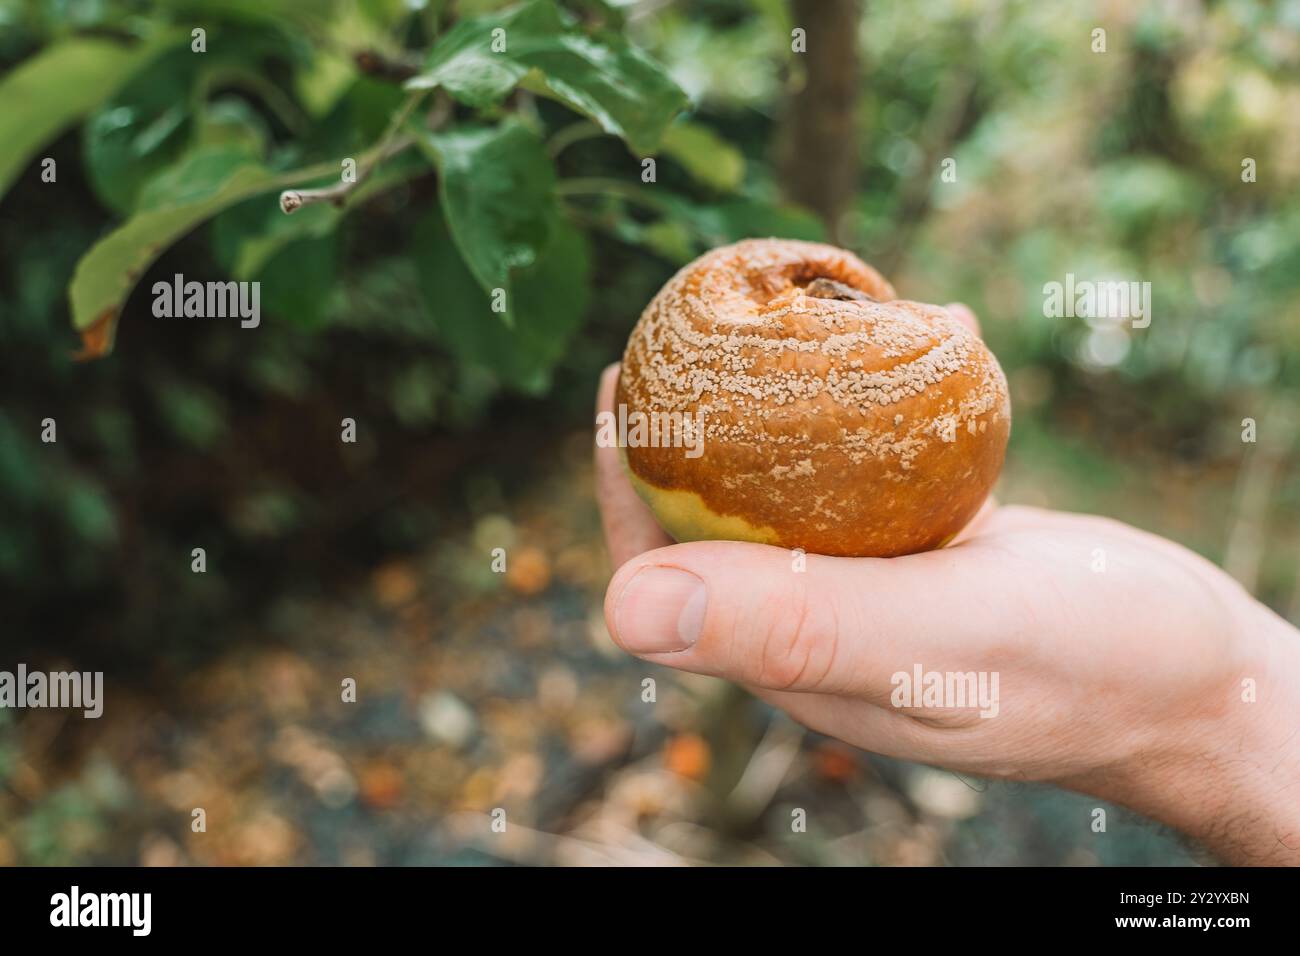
x=1230, y=775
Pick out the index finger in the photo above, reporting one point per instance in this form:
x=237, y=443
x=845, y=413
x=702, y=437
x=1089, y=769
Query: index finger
x=630, y=526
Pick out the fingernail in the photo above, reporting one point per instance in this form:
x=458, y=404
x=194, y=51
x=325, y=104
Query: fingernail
x=660, y=610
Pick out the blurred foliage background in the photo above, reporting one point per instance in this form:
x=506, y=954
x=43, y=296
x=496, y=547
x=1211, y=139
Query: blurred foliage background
x=372, y=560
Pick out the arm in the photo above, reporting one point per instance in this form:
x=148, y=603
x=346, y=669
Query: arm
x=1236, y=788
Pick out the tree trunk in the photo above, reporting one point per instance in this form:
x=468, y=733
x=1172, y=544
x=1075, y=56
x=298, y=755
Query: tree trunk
x=819, y=136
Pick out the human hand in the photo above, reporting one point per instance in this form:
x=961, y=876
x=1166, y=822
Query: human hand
x=1120, y=657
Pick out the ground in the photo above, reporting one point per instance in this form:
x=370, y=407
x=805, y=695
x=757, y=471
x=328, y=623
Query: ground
x=494, y=723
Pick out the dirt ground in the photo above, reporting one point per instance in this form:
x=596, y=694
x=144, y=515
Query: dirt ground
x=494, y=723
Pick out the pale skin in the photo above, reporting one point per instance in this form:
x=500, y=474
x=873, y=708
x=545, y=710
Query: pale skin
x=1156, y=682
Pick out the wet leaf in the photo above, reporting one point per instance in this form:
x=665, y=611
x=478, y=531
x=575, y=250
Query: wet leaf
x=535, y=46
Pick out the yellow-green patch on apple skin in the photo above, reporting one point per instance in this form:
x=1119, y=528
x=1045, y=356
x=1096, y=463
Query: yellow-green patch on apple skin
x=685, y=516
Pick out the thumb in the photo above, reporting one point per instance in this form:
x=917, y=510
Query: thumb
x=761, y=616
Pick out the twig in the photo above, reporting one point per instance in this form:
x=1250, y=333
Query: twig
x=376, y=64
x=291, y=200
x=389, y=145
x=573, y=133
x=600, y=185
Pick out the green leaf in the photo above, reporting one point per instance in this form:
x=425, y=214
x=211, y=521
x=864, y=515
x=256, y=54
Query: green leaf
x=742, y=218
x=141, y=130
x=198, y=175
x=496, y=186
x=161, y=112
x=709, y=158
x=231, y=121
x=601, y=77
x=293, y=17
x=294, y=257
x=357, y=119
x=57, y=86
x=298, y=277
x=746, y=218
x=319, y=85
x=1142, y=193
x=688, y=228
x=551, y=300
x=670, y=238
x=248, y=236
x=189, y=195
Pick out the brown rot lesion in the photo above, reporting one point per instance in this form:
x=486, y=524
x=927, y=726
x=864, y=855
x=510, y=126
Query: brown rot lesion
x=824, y=288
